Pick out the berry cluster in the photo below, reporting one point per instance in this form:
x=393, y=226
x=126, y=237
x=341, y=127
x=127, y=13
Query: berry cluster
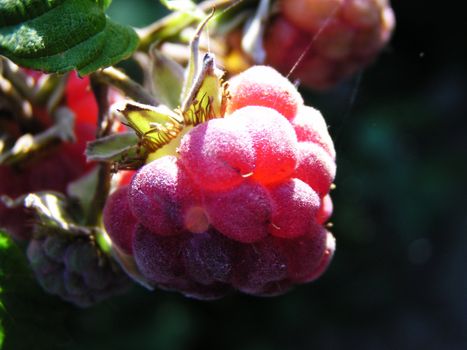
x=243, y=205
x=74, y=269
x=338, y=36
x=54, y=169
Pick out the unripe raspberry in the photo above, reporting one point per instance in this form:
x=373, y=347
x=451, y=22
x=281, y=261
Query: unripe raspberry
x=328, y=39
x=74, y=269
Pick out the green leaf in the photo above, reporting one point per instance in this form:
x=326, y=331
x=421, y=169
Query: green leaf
x=252, y=42
x=58, y=36
x=204, y=101
x=180, y=5
x=193, y=71
x=155, y=126
x=112, y=147
x=2, y=334
x=119, y=43
x=166, y=78
x=83, y=190
x=104, y=4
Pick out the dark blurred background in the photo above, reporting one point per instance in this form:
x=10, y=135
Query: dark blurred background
x=399, y=276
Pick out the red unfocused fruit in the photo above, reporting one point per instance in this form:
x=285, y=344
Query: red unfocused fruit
x=295, y=208
x=124, y=177
x=263, y=86
x=119, y=221
x=57, y=166
x=274, y=142
x=310, y=15
x=80, y=99
x=242, y=213
x=322, y=42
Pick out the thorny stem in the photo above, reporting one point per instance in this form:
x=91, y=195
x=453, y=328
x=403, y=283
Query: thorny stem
x=104, y=126
x=21, y=108
x=152, y=32
x=113, y=77
x=61, y=130
x=19, y=79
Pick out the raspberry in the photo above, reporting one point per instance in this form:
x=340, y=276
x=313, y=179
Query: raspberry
x=74, y=269
x=296, y=206
x=241, y=208
x=338, y=37
x=310, y=126
x=119, y=221
x=263, y=86
x=242, y=214
x=158, y=257
x=274, y=142
x=259, y=265
x=218, y=154
x=165, y=188
x=325, y=210
x=208, y=257
x=315, y=167
x=305, y=254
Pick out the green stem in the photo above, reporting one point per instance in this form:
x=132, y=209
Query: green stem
x=39, y=94
x=119, y=80
x=104, y=127
x=20, y=107
x=174, y=23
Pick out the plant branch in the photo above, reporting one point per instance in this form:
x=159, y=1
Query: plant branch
x=104, y=126
x=173, y=23
x=119, y=80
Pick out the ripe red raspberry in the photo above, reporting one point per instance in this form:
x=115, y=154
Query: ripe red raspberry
x=243, y=205
x=119, y=220
x=263, y=86
x=337, y=38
